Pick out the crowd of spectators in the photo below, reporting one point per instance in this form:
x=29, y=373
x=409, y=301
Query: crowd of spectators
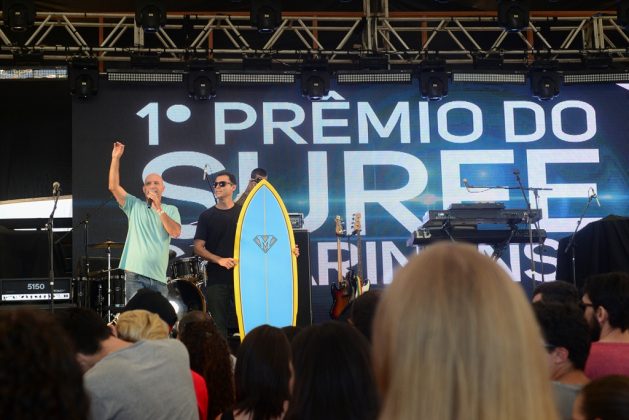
x=452, y=337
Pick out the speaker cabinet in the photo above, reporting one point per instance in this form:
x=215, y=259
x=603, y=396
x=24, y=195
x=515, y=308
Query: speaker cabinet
x=304, y=309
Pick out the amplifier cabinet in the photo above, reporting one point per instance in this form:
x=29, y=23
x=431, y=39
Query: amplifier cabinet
x=34, y=289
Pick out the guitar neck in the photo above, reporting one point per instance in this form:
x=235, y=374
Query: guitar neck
x=359, y=251
x=338, y=259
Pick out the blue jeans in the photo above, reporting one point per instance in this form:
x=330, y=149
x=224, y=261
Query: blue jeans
x=134, y=282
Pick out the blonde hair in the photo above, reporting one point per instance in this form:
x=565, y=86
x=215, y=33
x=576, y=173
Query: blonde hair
x=455, y=338
x=139, y=325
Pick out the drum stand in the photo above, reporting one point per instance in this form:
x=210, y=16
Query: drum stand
x=109, y=291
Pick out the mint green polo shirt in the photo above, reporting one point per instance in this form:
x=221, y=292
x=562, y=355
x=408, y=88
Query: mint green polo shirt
x=146, y=248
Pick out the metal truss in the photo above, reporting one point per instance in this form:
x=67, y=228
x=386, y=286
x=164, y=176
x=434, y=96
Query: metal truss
x=406, y=38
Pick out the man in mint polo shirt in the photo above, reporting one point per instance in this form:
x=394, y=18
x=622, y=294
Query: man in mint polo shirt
x=151, y=225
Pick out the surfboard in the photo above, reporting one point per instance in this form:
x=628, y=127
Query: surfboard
x=265, y=277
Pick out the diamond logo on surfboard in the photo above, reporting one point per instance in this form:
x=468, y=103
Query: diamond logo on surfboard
x=265, y=242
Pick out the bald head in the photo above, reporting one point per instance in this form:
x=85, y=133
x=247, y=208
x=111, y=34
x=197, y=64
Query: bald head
x=153, y=182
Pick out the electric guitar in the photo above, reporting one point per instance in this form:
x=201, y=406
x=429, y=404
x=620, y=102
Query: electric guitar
x=342, y=293
x=362, y=284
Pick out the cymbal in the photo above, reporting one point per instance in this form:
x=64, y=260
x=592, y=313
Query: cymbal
x=107, y=244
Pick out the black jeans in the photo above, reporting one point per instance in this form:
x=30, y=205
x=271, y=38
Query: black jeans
x=219, y=298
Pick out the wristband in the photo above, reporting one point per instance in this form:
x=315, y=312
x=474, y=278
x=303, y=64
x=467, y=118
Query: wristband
x=160, y=212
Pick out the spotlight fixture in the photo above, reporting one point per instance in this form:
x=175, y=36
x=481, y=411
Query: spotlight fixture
x=83, y=77
x=513, y=15
x=315, y=79
x=265, y=15
x=18, y=15
x=433, y=79
x=545, y=80
x=150, y=15
x=202, y=80
x=622, y=13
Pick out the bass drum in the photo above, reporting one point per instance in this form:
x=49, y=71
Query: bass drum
x=185, y=296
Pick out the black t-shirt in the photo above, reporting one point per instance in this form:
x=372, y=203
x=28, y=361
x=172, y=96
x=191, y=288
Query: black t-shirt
x=218, y=229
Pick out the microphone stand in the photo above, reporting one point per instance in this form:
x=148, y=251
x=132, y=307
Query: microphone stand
x=49, y=227
x=572, y=245
x=206, y=178
x=529, y=225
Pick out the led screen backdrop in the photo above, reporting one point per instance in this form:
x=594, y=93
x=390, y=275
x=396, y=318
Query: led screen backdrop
x=375, y=149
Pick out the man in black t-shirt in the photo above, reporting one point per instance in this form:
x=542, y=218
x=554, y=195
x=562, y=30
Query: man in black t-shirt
x=214, y=242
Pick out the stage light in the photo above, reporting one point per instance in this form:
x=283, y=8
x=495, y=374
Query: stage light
x=315, y=79
x=374, y=76
x=622, y=13
x=433, y=79
x=18, y=15
x=148, y=76
x=607, y=76
x=83, y=77
x=202, y=80
x=545, y=80
x=480, y=76
x=513, y=15
x=315, y=84
x=265, y=15
x=150, y=15
x=256, y=78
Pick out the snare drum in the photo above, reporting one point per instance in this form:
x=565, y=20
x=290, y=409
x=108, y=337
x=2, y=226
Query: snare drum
x=188, y=268
x=185, y=296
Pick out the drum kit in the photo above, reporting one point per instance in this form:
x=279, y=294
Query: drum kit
x=104, y=290
x=185, y=290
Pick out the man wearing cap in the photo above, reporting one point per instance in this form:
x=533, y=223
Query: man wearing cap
x=154, y=302
x=151, y=225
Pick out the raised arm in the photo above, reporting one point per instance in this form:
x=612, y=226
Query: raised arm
x=241, y=200
x=114, y=174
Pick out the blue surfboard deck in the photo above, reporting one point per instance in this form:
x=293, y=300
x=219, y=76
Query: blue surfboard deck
x=265, y=278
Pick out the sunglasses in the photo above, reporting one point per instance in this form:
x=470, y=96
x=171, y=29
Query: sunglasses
x=222, y=184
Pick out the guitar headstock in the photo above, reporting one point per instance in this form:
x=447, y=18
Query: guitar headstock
x=356, y=223
x=339, y=226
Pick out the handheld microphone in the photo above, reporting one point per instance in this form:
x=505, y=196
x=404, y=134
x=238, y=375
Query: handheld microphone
x=205, y=172
x=56, y=188
x=149, y=202
x=595, y=196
